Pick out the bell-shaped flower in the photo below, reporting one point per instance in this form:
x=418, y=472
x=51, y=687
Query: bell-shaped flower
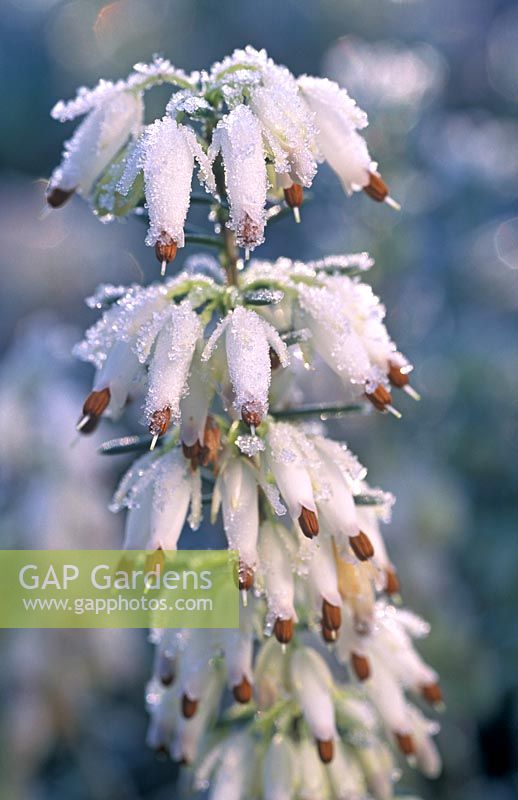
x=157, y=492
x=248, y=339
x=279, y=770
x=170, y=365
x=195, y=668
x=238, y=651
x=323, y=577
x=345, y=775
x=313, y=685
x=276, y=554
x=270, y=674
x=312, y=773
x=194, y=407
x=426, y=753
x=239, y=138
x=233, y=777
x=165, y=153
x=287, y=127
x=289, y=460
x=189, y=732
x=104, y=131
x=241, y=515
x=338, y=119
x=163, y=709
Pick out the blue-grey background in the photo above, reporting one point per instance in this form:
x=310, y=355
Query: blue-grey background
x=439, y=79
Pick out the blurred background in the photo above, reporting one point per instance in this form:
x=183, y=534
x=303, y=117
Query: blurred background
x=439, y=80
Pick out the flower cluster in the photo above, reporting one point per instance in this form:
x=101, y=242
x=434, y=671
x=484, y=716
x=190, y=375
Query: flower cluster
x=323, y=665
x=248, y=124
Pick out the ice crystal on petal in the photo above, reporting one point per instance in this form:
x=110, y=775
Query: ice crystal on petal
x=359, y=261
x=171, y=361
x=250, y=445
x=238, y=136
x=187, y=102
x=105, y=295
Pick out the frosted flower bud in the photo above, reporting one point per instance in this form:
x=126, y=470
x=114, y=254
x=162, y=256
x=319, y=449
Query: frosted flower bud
x=240, y=510
x=313, y=683
x=233, y=777
x=171, y=497
x=337, y=509
x=238, y=651
x=248, y=338
x=238, y=136
x=333, y=337
x=270, y=668
x=338, y=118
x=96, y=141
x=312, y=775
x=345, y=775
x=276, y=554
x=290, y=470
x=287, y=127
x=194, y=405
x=279, y=770
x=323, y=576
x=168, y=167
x=189, y=732
x=171, y=360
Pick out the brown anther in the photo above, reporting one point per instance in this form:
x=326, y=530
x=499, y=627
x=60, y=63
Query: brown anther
x=361, y=666
x=166, y=670
x=96, y=403
x=57, y=197
x=392, y=585
x=161, y=751
x=155, y=561
x=93, y=407
x=243, y=691
x=243, y=576
x=397, y=377
x=376, y=189
x=160, y=421
x=331, y=616
x=405, y=743
x=361, y=546
x=211, y=442
x=283, y=630
x=165, y=248
x=325, y=750
x=252, y=413
x=308, y=522
x=380, y=397
x=294, y=196
x=328, y=635
x=432, y=693
x=275, y=361
x=249, y=232
x=189, y=706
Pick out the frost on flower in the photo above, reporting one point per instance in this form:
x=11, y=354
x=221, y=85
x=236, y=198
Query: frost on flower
x=238, y=137
x=212, y=358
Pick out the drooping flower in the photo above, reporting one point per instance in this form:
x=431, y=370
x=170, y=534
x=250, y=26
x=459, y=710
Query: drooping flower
x=106, y=128
x=238, y=137
x=248, y=339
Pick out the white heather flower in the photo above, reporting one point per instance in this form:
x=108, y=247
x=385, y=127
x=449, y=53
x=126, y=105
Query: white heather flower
x=269, y=670
x=241, y=510
x=313, y=781
x=118, y=374
x=171, y=361
x=238, y=136
x=173, y=491
x=336, y=508
x=427, y=755
x=279, y=770
x=345, y=775
x=322, y=573
x=166, y=152
x=338, y=119
x=276, y=554
x=195, y=664
x=194, y=405
x=287, y=127
x=248, y=339
x=313, y=682
x=286, y=459
x=238, y=648
x=233, y=776
x=188, y=734
x=96, y=141
x=334, y=338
